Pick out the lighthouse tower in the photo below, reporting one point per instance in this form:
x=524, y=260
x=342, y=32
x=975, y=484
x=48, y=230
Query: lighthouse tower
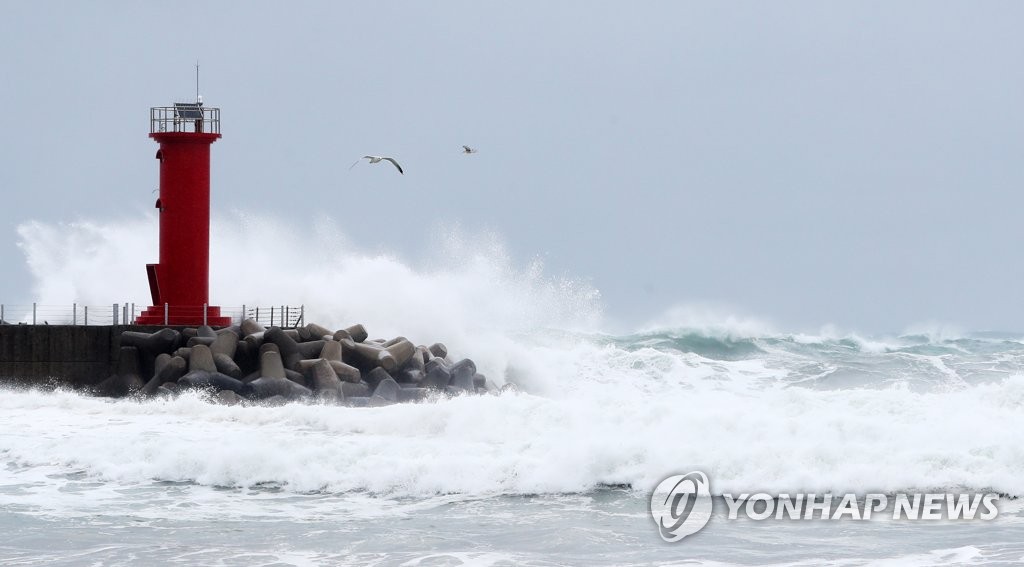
x=180, y=282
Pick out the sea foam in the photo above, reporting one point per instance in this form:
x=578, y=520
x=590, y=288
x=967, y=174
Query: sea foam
x=595, y=408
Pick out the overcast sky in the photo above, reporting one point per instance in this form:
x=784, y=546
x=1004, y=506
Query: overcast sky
x=854, y=163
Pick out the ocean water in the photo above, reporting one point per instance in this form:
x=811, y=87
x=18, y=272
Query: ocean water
x=559, y=472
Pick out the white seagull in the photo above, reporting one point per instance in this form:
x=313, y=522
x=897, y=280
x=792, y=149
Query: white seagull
x=378, y=159
x=468, y=150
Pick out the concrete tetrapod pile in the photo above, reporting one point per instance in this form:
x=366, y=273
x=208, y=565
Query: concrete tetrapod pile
x=275, y=366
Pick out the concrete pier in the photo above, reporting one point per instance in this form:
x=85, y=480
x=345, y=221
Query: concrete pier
x=67, y=355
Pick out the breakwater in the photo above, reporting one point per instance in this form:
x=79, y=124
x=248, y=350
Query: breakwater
x=247, y=362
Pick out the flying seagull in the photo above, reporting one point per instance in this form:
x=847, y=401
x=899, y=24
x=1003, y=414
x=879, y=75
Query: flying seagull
x=378, y=159
x=468, y=150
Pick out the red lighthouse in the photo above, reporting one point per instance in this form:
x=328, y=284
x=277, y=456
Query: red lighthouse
x=180, y=283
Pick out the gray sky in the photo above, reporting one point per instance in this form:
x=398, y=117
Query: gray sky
x=855, y=163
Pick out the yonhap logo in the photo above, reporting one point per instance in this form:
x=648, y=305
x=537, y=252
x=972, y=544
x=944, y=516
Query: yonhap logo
x=681, y=505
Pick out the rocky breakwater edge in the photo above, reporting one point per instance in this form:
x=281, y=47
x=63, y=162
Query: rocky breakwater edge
x=250, y=363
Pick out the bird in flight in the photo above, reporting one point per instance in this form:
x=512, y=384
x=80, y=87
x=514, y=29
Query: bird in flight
x=378, y=159
x=468, y=150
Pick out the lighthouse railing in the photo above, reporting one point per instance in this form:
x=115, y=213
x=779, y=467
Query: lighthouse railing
x=199, y=119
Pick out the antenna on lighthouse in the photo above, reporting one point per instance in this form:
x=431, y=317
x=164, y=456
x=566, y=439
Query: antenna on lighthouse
x=199, y=98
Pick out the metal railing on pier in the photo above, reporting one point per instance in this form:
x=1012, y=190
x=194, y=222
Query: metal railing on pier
x=285, y=316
